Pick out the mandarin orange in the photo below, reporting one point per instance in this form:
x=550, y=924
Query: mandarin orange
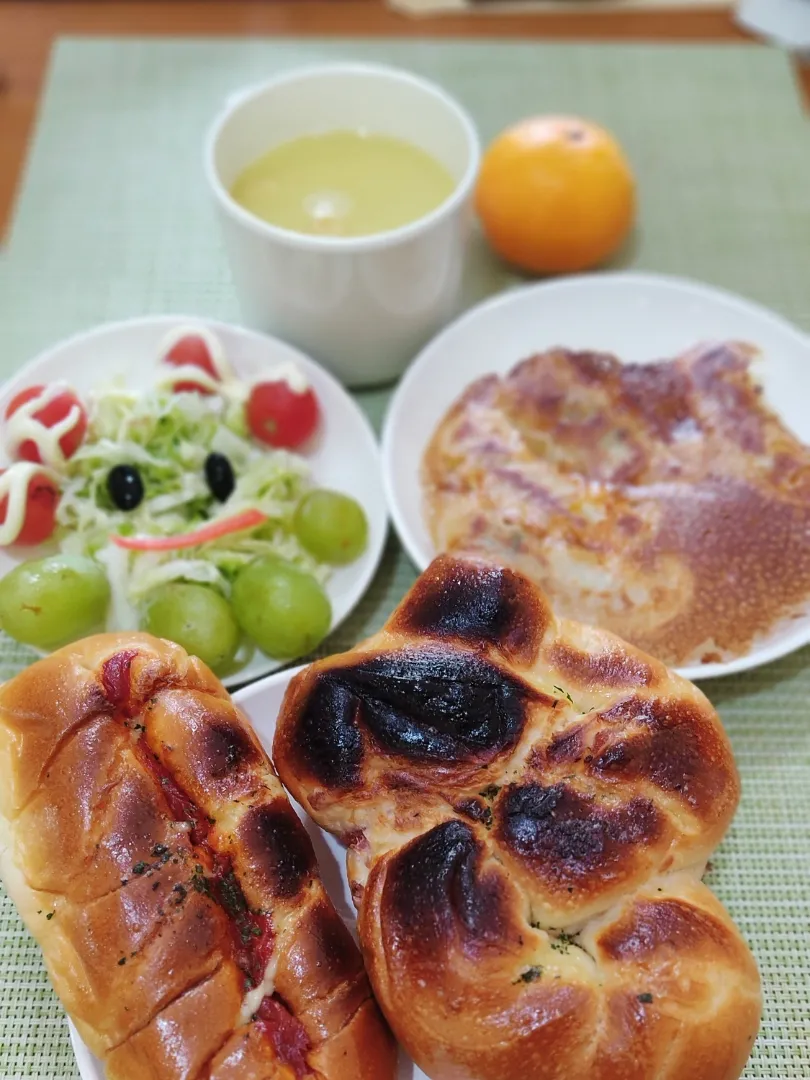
x=555, y=194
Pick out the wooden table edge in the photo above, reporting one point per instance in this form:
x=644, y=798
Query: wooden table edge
x=28, y=29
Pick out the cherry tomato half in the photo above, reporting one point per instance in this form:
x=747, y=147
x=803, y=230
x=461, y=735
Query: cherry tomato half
x=192, y=351
x=280, y=416
x=51, y=413
x=40, y=510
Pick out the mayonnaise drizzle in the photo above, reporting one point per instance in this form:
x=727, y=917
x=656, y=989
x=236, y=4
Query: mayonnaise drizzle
x=291, y=374
x=14, y=483
x=172, y=374
x=226, y=383
x=169, y=376
x=23, y=426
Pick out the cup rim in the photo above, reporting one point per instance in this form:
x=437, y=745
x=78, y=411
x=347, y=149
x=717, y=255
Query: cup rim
x=340, y=244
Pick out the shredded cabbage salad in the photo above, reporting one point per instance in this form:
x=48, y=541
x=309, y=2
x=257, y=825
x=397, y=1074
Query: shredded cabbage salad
x=169, y=436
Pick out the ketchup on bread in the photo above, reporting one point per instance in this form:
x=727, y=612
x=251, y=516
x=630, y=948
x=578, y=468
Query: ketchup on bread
x=153, y=853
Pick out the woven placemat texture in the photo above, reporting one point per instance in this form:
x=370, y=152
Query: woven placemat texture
x=114, y=221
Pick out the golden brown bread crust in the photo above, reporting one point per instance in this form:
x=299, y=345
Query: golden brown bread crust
x=154, y=855
x=529, y=805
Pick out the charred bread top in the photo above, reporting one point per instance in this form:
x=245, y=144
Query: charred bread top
x=529, y=805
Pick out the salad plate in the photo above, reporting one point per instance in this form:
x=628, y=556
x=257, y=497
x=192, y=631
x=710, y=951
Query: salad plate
x=262, y=701
x=341, y=455
x=639, y=318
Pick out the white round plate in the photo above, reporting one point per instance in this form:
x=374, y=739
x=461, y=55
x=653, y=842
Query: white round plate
x=640, y=318
x=261, y=702
x=344, y=456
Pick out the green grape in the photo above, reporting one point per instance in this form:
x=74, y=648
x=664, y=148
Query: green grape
x=50, y=602
x=283, y=609
x=331, y=526
x=198, y=618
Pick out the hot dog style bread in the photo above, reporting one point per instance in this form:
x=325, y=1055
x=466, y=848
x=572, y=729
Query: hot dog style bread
x=528, y=806
x=154, y=855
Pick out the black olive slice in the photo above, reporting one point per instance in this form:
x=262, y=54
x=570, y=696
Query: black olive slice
x=219, y=476
x=125, y=486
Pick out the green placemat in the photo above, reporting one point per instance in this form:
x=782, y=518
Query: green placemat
x=114, y=221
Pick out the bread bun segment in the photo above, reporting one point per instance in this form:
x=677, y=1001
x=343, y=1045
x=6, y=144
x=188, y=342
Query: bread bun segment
x=528, y=805
x=153, y=853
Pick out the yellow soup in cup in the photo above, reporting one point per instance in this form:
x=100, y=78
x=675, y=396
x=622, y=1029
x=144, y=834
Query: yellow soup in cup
x=343, y=183
x=344, y=193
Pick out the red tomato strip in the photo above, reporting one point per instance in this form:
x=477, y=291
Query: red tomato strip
x=248, y=519
x=252, y=935
x=181, y=806
x=115, y=677
x=286, y=1034
x=251, y=930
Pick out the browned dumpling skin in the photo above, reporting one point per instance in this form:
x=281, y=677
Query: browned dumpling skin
x=528, y=805
x=665, y=502
x=153, y=853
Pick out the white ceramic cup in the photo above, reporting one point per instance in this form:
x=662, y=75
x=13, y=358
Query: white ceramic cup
x=365, y=305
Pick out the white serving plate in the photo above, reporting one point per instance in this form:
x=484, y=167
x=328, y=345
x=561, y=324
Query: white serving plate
x=639, y=317
x=261, y=702
x=344, y=456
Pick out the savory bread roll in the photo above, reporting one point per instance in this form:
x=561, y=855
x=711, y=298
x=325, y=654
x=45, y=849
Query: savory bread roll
x=153, y=853
x=528, y=805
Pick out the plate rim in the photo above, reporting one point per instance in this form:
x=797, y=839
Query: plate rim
x=260, y=339
x=519, y=294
